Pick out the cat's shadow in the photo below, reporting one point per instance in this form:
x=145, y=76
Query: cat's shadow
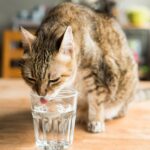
x=16, y=129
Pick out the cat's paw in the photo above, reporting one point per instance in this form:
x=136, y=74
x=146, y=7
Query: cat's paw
x=96, y=126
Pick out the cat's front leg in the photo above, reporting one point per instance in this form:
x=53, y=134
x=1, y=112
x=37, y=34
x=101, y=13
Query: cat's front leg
x=96, y=94
x=95, y=114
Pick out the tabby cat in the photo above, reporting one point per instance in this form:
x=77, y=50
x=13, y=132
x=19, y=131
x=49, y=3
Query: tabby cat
x=77, y=46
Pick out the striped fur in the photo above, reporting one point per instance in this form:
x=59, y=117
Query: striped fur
x=99, y=63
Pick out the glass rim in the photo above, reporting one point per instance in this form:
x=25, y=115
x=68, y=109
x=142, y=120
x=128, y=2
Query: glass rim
x=63, y=93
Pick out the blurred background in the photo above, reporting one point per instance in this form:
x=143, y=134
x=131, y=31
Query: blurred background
x=134, y=17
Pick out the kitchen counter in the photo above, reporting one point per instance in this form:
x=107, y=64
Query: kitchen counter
x=16, y=129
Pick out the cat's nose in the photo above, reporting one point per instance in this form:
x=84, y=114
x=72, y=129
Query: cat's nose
x=41, y=91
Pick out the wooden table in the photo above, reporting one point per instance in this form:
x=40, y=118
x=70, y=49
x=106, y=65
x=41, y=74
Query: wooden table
x=16, y=128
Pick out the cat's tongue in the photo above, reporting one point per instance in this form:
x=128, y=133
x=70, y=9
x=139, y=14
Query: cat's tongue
x=43, y=100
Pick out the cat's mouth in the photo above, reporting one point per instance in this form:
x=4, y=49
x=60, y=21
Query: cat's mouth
x=53, y=93
x=48, y=97
x=43, y=100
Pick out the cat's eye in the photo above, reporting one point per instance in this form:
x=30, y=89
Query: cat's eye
x=31, y=79
x=54, y=80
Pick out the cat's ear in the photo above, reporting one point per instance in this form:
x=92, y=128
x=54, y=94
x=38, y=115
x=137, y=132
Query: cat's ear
x=67, y=44
x=27, y=37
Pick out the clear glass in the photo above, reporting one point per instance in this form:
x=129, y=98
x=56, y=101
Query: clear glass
x=54, y=121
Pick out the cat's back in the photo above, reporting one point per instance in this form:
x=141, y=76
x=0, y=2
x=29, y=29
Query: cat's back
x=87, y=26
x=68, y=13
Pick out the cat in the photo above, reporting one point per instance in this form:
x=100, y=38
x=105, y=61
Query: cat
x=75, y=45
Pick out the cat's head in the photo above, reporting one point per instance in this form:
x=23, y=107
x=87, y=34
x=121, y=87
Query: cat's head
x=45, y=69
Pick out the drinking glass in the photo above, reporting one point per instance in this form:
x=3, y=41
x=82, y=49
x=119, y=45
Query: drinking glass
x=54, y=119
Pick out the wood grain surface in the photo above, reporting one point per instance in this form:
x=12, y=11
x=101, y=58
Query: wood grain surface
x=16, y=129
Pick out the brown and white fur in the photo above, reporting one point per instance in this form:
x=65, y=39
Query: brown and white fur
x=74, y=45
